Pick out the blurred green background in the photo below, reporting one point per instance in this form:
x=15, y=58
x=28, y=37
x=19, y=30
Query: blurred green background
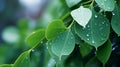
x=19, y=18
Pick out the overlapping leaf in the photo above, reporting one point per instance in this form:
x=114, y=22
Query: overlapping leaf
x=96, y=32
x=36, y=37
x=107, y=5
x=54, y=28
x=104, y=52
x=63, y=44
x=116, y=20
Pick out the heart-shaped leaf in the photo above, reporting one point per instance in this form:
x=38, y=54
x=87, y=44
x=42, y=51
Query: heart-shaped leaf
x=23, y=60
x=36, y=37
x=54, y=28
x=104, y=52
x=96, y=32
x=63, y=44
x=106, y=5
x=82, y=15
x=116, y=20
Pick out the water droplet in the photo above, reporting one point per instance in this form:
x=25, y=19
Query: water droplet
x=33, y=50
x=93, y=41
x=41, y=42
x=101, y=28
x=113, y=13
x=103, y=22
x=88, y=39
x=87, y=35
x=96, y=16
x=71, y=37
x=88, y=26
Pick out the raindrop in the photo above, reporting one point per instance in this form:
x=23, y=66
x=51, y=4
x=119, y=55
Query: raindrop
x=93, y=41
x=87, y=35
x=101, y=28
x=71, y=37
x=96, y=16
x=113, y=13
x=41, y=42
x=33, y=50
x=88, y=26
x=88, y=39
x=103, y=22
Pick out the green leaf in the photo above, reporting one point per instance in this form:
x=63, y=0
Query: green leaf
x=85, y=49
x=23, y=60
x=116, y=20
x=104, y=52
x=82, y=15
x=94, y=62
x=54, y=28
x=72, y=3
x=63, y=44
x=6, y=65
x=96, y=32
x=106, y=5
x=36, y=37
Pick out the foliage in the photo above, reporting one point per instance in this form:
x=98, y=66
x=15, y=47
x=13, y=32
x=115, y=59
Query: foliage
x=78, y=35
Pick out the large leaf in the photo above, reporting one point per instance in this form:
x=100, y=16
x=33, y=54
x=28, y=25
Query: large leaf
x=54, y=28
x=116, y=20
x=23, y=60
x=106, y=5
x=36, y=37
x=82, y=15
x=6, y=65
x=71, y=3
x=96, y=32
x=85, y=49
x=104, y=52
x=63, y=44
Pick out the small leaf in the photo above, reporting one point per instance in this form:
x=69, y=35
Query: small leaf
x=106, y=5
x=85, y=49
x=36, y=37
x=54, y=28
x=82, y=15
x=94, y=62
x=96, y=32
x=104, y=52
x=116, y=20
x=6, y=65
x=23, y=60
x=71, y=3
x=63, y=44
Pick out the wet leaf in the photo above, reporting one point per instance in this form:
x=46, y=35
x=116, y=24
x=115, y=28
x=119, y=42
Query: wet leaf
x=96, y=32
x=104, y=52
x=54, y=28
x=36, y=37
x=82, y=15
x=63, y=44
x=106, y=5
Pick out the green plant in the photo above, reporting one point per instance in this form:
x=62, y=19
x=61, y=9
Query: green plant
x=79, y=37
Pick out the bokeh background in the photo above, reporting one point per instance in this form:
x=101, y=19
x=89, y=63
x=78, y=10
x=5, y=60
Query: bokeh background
x=19, y=18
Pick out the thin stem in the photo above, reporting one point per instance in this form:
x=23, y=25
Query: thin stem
x=87, y=2
x=66, y=15
x=92, y=3
x=70, y=25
